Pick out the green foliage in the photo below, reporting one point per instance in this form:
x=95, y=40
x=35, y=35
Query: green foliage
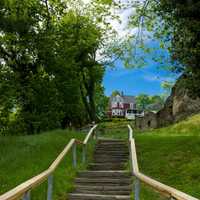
x=115, y=93
x=150, y=103
x=167, y=86
x=50, y=76
x=101, y=103
x=175, y=24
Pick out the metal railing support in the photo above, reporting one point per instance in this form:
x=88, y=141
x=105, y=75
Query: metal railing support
x=137, y=189
x=50, y=187
x=84, y=154
x=27, y=195
x=74, y=155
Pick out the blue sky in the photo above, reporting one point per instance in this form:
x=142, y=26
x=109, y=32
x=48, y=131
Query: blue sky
x=135, y=81
x=146, y=80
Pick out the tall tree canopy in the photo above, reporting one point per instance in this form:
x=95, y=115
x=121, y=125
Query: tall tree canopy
x=50, y=71
x=176, y=25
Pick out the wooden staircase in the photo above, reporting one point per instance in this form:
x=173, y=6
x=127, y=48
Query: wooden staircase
x=106, y=178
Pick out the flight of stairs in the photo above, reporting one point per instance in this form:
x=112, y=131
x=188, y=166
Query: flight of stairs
x=106, y=178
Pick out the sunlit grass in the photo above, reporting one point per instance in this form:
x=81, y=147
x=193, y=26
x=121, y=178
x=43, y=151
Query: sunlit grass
x=190, y=126
x=23, y=157
x=170, y=155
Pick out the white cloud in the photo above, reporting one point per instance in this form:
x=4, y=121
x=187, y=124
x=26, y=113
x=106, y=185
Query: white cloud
x=158, y=78
x=121, y=25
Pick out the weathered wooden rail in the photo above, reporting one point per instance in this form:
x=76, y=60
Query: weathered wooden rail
x=163, y=189
x=24, y=190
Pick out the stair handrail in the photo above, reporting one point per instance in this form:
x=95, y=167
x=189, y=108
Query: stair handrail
x=23, y=189
x=163, y=189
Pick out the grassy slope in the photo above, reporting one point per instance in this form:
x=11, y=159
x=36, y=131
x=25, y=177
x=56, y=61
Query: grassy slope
x=170, y=155
x=188, y=127
x=26, y=156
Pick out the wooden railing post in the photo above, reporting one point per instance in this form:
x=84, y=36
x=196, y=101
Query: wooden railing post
x=27, y=195
x=137, y=189
x=50, y=187
x=74, y=155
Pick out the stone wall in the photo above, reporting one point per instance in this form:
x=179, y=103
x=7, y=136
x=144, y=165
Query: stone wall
x=149, y=121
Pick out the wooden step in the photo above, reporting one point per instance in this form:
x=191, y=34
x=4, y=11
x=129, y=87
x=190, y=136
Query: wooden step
x=112, y=147
x=101, y=174
x=82, y=196
x=104, y=152
x=114, y=157
x=112, y=143
x=105, y=188
x=106, y=166
x=111, y=152
x=111, y=155
x=107, y=192
x=103, y=181
x=111, y=140
x=113, y=160
x=106, y=178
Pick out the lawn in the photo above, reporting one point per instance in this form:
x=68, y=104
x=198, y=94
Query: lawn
x=23, y=157
x=174, y=161
x=170, y=155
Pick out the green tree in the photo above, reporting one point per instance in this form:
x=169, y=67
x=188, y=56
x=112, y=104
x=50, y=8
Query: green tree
x=175, y=24
x=142, y=101
x=115, y=93
x=51, y=76
x=149, y=103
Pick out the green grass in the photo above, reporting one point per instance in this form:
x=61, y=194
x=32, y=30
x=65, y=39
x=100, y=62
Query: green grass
x=117, y=128
x=26, y=156
x=170, y=155
x=174, y=161
x=190, y=127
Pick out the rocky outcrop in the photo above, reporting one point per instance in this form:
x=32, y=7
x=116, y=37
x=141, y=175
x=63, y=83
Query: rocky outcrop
x=165, y=115
x=179, y=105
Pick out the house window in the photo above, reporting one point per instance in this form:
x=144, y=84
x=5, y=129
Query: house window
x=113, y=104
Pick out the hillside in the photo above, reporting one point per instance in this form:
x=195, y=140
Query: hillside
x=187, y=127
x=26, y=156
x=172, y=156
